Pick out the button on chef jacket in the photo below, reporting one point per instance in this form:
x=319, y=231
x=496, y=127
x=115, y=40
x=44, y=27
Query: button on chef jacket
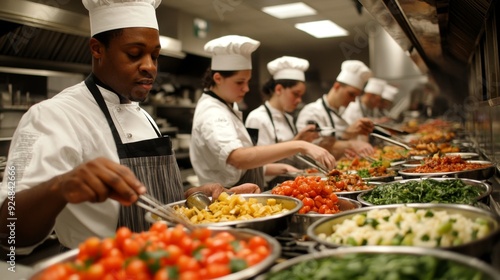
x=60, y=133
x=216, y=132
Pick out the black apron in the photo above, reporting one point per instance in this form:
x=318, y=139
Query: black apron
x=290, y=160
x=153, y=163
x=255, y=175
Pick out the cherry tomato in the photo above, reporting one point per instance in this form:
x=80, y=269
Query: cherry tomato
x=122, y=234
x=256, y=241
x=131, y=247
x=217, y=270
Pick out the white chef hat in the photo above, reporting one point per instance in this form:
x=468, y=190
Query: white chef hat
x=375, y=86
x=354, y=73
x=231, y=52
x=108, y=15
x=389, y=92
x=288, y=68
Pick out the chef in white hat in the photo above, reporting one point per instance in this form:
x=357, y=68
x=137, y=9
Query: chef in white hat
x=222, y=148
x=282, y=93
x=386, y=103
x=366, y=104
x=92, y=142
x=327, y=111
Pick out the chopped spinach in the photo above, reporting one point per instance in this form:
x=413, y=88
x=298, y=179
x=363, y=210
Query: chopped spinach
x=424, y=191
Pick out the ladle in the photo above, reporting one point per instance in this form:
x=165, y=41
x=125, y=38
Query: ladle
x=198, y=200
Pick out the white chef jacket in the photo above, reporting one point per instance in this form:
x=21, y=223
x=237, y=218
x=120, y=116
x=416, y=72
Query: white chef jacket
x=216, y=132
x=259, y=119
x=60, y=133
x=355, y=110
x=315, y=111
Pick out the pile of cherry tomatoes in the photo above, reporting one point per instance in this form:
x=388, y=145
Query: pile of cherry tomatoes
x=161, y=253
x=316, y=194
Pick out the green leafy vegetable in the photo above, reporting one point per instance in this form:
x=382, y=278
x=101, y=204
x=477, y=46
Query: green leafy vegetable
x=424, y=191
x=377, y=266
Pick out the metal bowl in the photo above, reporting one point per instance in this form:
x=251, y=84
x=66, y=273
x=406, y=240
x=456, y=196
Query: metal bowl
x=300, y=222
x=459, y=259
x=482, y=186
x=475, y=248
x=240, y=234
x=272, y=225
x=476, y=174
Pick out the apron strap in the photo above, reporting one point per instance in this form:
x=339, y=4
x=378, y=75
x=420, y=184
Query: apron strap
x=272, y=122
x=91, y=85
x=328, y=110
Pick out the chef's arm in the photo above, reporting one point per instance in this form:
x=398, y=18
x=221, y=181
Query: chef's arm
x=35, y=211
x=37, y=208
x=253, y=157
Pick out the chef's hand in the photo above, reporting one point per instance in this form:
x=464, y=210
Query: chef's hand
x=361, y=147
x=363, y=126
x=321, y=155
x=98, y=180
x=245, y=188
x=308, y=133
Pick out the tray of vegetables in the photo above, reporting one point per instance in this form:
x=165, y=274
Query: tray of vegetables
x=427, y=190
x=166, y=253
x=382, y=262
x=461, y=228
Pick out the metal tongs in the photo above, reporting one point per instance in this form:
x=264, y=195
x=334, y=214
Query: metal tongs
x=165, y=212
x=392, y=141
x=312, y=163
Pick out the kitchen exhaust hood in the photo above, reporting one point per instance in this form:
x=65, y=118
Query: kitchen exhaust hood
x=40, y=36
x=439, y=35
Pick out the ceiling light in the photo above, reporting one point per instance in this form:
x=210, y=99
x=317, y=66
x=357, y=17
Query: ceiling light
x=298, y=9
x=322, y=29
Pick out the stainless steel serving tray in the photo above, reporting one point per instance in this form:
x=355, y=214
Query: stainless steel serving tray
x=475, y=248
x=476, y=174
x=463, y=260
x=484, y=187
x=273, y=225
x=240, y=234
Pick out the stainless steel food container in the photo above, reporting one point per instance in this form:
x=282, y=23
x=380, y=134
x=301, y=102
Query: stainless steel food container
x=300, y=222
x=460, y=259
x=272, y=225
x=475, y=174
x=240, y=234
x=475, y=248
x=482, y=186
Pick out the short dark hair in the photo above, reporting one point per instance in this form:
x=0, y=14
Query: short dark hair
x=268, y=87
x=208, y=80
x=106, y=36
